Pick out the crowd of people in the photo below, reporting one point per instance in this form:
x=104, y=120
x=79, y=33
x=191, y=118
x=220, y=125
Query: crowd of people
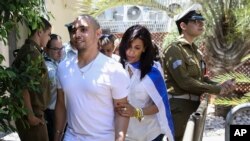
x=97, y=87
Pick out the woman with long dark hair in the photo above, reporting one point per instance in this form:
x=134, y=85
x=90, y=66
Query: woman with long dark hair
x=148, y=108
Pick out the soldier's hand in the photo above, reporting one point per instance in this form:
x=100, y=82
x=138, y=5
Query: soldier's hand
x=33, y=120
x=228, y=86
x=204, y=96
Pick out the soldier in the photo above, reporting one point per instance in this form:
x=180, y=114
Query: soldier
x=34, y=101
x=184, y=70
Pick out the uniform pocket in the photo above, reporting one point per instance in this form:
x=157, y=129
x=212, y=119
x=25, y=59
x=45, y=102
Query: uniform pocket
x=192, y=67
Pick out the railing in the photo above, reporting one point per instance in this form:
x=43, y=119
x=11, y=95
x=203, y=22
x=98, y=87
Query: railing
x=195, y=125
x=230, y=116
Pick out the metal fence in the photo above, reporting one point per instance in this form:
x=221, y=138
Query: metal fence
x=195, y=125
x=230, y=116
x=158, y=29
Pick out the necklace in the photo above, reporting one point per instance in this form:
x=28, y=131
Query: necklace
x=85, y=69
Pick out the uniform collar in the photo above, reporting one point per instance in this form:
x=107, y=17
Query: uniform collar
x=33, y=43
x=185, y=43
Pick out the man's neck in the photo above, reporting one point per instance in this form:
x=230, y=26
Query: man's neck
x=189, y=38
x=36, y=40
x=85, y=57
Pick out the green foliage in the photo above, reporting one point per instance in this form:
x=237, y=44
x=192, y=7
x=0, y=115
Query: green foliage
x=13, y=12
x=228, y=19
x=12, y=82
x=239, y=77
x=227, y=35
x=245, y=58
x=169, y=38
x=233, y=101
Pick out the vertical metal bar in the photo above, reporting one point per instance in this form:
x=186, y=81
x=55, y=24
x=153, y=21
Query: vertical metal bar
x=189, y=131
x=231, y=114
x=195, y=124
x=200, y=117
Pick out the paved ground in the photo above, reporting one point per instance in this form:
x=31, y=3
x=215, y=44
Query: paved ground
x=214, y=126
x=10, y=137
x=208, y=135
x=14, y=137
x=214, y=138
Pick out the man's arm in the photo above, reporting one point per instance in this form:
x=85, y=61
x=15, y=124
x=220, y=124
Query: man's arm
x=121, y=122
x=60, y=115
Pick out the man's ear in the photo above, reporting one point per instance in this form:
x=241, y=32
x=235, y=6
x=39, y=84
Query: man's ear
x=39, y=32
x=183, y=26
x=99, y=32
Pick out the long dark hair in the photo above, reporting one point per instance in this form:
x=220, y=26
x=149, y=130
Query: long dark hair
x=147, y=57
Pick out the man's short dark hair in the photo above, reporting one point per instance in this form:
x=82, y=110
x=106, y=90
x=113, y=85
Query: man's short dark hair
x=92, y=20
x=69, y=27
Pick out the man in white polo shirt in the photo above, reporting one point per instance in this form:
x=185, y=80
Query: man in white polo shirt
x=91, y=86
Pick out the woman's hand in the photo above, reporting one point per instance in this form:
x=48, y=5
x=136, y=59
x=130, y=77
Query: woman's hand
x=125, y=109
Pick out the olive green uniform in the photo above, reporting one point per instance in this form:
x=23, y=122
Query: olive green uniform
x=29, y=52
x=184, y=73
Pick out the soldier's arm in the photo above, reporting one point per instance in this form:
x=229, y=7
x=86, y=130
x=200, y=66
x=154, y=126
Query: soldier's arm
x=209, y=81
x=32, y=119
x=176, y=66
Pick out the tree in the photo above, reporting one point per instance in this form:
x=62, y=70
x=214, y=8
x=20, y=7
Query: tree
x=13, y=12
x=227, y=39
x=227, y=33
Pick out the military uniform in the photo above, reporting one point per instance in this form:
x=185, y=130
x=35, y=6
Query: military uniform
x=184, y=70
x=29, y=52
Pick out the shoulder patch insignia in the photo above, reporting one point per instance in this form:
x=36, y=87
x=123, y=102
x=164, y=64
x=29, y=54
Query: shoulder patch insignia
x=177, y=63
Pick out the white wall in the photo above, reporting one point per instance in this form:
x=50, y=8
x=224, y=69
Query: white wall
x=4, y=51
x=64, y=11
